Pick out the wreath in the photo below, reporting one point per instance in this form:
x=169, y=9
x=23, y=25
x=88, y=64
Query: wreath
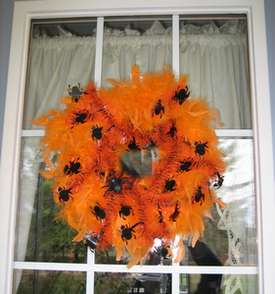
x=133, y=162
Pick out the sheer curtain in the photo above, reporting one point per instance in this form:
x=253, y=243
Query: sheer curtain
x=214, y=58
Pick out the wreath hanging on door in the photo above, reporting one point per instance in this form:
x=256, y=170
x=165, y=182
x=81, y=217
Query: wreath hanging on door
x=133, y=162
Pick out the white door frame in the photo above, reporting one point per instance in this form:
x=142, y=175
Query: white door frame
x=264, y=169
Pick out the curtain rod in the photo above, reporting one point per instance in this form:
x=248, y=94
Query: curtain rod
x=124, y=19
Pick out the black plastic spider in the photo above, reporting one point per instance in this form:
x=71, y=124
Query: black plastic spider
x=64, y=194
x=219, y=181
x=115, y=183
x=185, y=166
x=75, y=92
x=200, y=148
x=133, y=145
x=172, y=131
x=127, y=232
x=175, y=214
x=73, y=167
x=98, y=212
x=97, y=132
x=125, y=210
x=198, y=197
x=170, y=185
x=80, y=117
x=182, y=95
x=158, y=109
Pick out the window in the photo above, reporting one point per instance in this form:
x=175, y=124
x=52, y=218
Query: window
x=215, y=50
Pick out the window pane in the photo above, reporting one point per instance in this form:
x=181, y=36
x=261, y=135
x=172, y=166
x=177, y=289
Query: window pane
x=145, y=41
x=222, y=284
x=45, y=282
x=39, y=235
x=60, y=54
x=214, y=54
x=230, y=236
x=110, y=283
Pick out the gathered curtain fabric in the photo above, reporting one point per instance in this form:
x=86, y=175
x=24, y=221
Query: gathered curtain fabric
x=215, y=60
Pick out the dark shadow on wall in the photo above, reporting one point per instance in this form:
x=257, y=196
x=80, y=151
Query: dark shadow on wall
x=270, y=31
x=6, y=10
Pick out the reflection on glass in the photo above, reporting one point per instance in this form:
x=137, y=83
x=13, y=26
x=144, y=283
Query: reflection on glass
x=60, y=55
x=110, y=283
x=39, y=235
x=218, y=284
x=230, y=236
x=145, y=41
x=48, y=282
x=214, y=54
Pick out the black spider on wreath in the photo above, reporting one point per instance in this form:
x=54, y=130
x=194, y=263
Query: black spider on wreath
x=73, y=167
x=175, y=214
x=64, y=194
x=97, y=132
x=99, y=212
x=185, y=166
x=133, y=145
x=115, y=183
x=80, y=117
x=170, y=185
x=127, y=232
x=198, y=197
x=125, y=211
x=219, y=181
x=75, y=92
x=172, y=131
x=158, y=109
x=200, y=148
x=181, y=95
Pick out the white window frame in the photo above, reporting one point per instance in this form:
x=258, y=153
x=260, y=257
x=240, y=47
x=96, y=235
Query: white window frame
x=12, y=134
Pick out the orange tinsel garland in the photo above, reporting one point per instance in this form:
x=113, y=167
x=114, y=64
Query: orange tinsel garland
x=149, y=116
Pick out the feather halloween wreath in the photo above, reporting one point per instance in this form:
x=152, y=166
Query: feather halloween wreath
x=134, y=162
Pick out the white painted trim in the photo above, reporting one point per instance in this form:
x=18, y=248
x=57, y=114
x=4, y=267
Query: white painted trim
x=264, y=168
x=234, y=133
x=33, y=133
x=90, y=276
x=64, y=8
x=175, y=283
x=221, y=133
x=11, y=146
x=24, y=11
x=176, y=45
x=99, y=50
x=162, y=269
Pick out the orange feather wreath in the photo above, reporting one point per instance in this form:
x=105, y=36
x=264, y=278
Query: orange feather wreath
x=107, y=202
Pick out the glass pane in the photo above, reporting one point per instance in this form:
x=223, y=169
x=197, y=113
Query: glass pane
x=221, y=284
x=214, y=54
x=40, y=236
x=61, y=56
x=230, y=236
x=145, y=41
x=110, y=283
x=48, y=282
